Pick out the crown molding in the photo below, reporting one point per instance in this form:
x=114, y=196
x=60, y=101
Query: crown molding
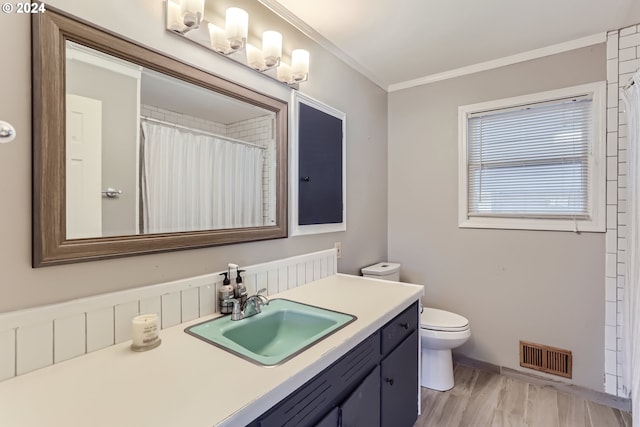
x=314, y=35
x=308, y=31
x=501, y=62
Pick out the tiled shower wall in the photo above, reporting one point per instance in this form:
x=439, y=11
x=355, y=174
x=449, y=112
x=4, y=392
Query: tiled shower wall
x=623, y=60
x=260, y=130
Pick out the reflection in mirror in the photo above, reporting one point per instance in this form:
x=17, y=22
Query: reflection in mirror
x=135, y=152
x=180, y=157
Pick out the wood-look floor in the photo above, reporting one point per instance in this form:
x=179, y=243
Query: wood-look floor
x=482, y=398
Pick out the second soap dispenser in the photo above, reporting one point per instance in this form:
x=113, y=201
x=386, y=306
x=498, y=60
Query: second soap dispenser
x=240, y=289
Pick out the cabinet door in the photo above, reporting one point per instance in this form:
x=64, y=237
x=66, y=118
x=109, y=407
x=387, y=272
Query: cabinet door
x=362, y=407
x=320, y=167
x=399, y=384
x=331, y=419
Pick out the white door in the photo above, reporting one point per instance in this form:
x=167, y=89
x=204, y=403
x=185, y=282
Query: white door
x=84, y=167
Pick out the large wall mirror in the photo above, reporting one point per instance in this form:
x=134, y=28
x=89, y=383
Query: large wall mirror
x=135, y=152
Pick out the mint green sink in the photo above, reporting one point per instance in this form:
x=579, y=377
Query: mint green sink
x=284, y=329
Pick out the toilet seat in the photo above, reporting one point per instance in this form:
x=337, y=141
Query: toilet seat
x=440, y=320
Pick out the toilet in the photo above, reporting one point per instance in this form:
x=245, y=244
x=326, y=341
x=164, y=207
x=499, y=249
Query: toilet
x=440, y=332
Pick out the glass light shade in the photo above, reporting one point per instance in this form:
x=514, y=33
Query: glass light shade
x=174, y=16
x=254, y=57
x=192, y=12
x=218, y=38
x=300, y=65
x=271, y=48
x=236, y=27
x=284, y=73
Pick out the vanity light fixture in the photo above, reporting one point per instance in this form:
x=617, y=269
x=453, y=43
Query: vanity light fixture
x=183, y=16
x=269, y=56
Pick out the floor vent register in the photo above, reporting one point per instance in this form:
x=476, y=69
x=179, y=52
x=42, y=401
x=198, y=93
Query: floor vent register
x=547, y=359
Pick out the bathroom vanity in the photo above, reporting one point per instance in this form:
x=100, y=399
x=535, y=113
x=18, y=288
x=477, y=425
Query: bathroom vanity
x=374, y=384
x=366, y=371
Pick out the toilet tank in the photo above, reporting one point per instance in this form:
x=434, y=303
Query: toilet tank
x=383, y=270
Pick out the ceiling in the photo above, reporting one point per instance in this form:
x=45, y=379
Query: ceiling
x=395, y=41
x=176, y=95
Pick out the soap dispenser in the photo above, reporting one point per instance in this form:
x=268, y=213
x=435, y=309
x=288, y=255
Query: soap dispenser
x=225, y=294
x=240, y=289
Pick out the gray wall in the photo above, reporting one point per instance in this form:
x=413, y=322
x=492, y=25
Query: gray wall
x=331, y=81
x=545, y=287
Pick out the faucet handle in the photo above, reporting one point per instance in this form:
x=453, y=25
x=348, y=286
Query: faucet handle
x=263, y=299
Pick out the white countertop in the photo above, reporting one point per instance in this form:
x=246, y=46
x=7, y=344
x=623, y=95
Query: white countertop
x=188, y=382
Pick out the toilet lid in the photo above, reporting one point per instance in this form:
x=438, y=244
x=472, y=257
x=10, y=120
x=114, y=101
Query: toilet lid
x=441, y=320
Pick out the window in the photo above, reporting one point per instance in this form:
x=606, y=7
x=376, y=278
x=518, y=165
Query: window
x=534, y=162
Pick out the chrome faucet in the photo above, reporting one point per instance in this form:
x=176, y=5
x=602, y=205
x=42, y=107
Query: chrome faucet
x=251, y=307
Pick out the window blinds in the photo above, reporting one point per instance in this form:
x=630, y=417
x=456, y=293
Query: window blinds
x=531, y=161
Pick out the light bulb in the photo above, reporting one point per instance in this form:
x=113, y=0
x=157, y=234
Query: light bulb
x=254, y=57
x=284, y=73
x=192, y=12
x=300, y=64
x=271, y=48
x=236, y=27
x=218, y=38
x=174, y=16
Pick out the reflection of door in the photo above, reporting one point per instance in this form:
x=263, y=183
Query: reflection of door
x=84, y=167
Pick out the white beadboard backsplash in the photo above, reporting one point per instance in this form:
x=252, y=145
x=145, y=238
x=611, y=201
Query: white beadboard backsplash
x=38, y=337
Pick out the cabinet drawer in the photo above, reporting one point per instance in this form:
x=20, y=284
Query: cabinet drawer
x=399, y=328
x=308, y=404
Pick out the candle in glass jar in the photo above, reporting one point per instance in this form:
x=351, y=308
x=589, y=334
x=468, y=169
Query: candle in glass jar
x=144, y=332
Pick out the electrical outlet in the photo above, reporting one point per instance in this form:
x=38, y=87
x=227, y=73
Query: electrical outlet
x=338, y=247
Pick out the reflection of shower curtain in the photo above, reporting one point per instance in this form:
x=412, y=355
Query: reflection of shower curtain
x=194, y=182
x=631, y=305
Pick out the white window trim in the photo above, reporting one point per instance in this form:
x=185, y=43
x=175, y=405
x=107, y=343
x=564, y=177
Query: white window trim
x=596, y=221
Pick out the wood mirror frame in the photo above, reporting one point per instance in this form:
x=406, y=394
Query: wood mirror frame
x=50, y=31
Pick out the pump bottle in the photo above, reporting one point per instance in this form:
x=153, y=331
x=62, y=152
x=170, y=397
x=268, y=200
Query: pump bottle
x=226, y=293
x=240, y=289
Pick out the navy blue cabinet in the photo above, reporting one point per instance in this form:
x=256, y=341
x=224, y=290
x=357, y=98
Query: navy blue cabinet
x=374, y=384
x=332, y=419
x=399, y=385
x=309, y=404
x=362, y=407
x=318, y=167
